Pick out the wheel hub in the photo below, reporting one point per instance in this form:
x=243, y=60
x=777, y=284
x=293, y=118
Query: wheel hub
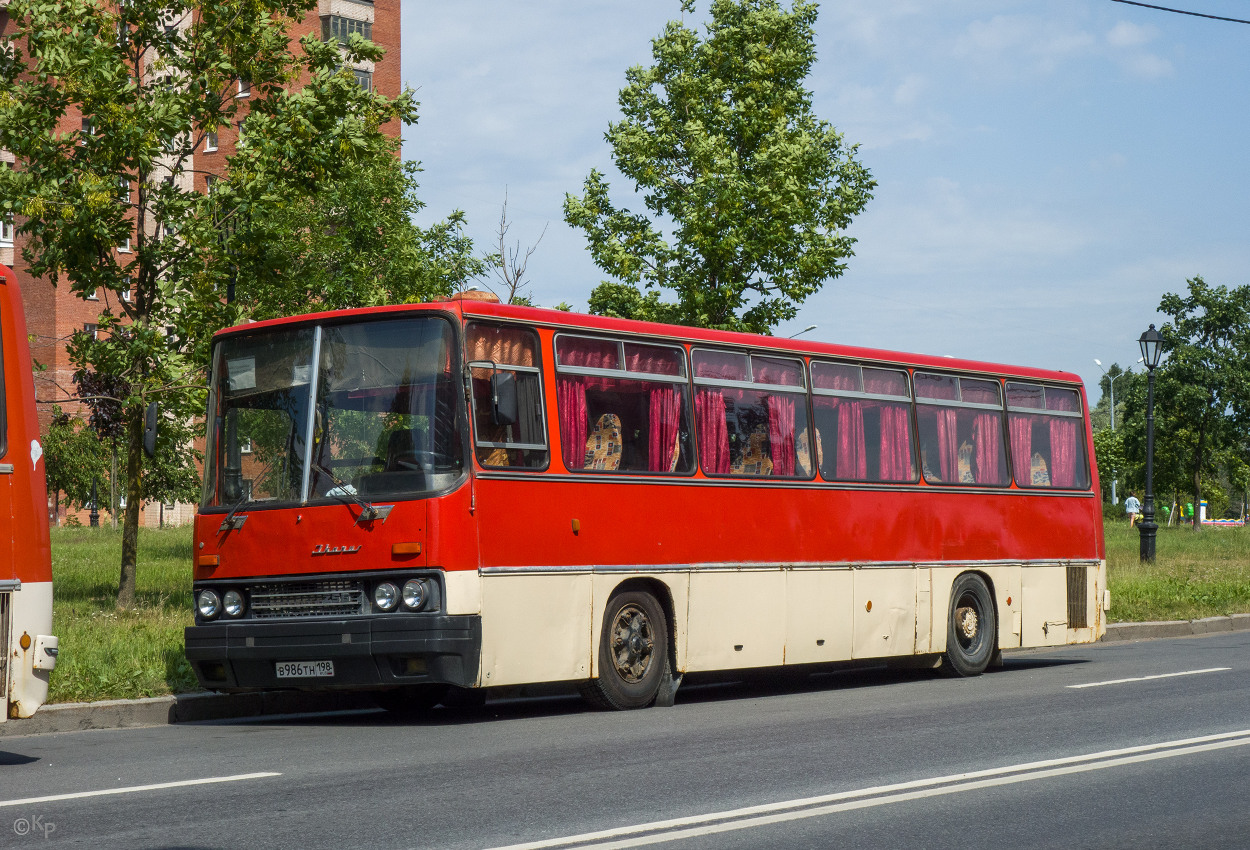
x=632, y=643
x=967, y=622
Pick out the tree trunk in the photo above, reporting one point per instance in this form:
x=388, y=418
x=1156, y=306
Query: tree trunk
x=130, y=521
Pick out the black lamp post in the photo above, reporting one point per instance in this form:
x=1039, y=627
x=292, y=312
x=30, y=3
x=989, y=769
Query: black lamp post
x=1150, y=349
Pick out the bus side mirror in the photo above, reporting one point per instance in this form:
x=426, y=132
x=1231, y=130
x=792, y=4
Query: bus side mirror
x=149, y=429
x=503, y=408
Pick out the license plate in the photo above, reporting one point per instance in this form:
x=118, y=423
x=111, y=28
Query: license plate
x=304, y=669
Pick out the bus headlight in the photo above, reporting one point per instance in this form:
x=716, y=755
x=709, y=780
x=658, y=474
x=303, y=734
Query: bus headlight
x=209, y=604
x=386, y=595
x=234, y=604
x=415, y=594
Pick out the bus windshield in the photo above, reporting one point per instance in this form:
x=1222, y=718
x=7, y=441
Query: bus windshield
x=387, y=421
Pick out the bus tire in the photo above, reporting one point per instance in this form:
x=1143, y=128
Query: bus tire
x=410, y=700
x=972, y=627
x=633, y=653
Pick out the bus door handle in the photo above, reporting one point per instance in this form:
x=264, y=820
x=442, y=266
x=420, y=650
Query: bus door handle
x=6, y=469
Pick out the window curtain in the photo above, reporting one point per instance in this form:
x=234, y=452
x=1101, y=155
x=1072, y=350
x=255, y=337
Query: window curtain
x=665, y=420
x=1062, y=442
x=895, y=443
x=852, y=462
x=987, y=438
x=709, y=411
x=948, y=444
x=1021, y=430
x=781, y=434
x=574, y=419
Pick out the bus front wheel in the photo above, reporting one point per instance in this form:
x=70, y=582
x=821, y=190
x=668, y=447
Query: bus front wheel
x=972, y=630
x=633, y=653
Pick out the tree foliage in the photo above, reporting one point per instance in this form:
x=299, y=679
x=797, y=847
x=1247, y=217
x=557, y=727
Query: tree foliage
x=148, y=79
x=74, y=458
x=1202, y=393
x=720, y=136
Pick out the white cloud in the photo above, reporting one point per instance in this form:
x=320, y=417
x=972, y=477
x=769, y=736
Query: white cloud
x=1125, y=34
x=1147, y=66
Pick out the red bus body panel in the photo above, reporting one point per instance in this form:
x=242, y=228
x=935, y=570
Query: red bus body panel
x=27, y=553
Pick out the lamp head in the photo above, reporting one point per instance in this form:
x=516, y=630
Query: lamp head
x=1150, y=342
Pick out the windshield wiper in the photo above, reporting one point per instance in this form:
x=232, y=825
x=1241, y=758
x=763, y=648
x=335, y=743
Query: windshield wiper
x=230, y=522
x=346, y=494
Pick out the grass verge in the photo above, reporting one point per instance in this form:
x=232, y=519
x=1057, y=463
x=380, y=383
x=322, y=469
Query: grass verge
x=1195, y=574
x=107, y=653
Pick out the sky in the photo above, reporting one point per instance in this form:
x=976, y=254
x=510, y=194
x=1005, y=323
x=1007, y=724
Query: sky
x=1046, y=169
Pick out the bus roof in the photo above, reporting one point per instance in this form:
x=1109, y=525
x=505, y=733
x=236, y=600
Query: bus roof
x=559, y=319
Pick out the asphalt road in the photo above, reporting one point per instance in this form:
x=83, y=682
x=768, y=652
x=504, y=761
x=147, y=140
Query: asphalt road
x=1019, y=757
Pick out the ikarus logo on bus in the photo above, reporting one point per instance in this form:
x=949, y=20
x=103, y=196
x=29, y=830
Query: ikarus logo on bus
x=327, y=549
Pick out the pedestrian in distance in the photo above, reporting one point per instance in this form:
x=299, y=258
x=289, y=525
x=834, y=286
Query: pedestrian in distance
x=1132, y=507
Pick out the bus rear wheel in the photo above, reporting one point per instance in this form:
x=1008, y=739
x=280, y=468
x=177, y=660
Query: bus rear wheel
x=972, y=630
x=633, y=653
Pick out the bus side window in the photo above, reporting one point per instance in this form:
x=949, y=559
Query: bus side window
x=623, y=406
x=1044, y=426
x=863, y=423
x=503, y=369
x=751, y=413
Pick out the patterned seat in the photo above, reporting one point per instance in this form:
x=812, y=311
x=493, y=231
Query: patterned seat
x=603, y=446
x=1040, y=475
x=754, y=461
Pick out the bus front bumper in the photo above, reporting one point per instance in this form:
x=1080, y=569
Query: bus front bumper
x=381, y=650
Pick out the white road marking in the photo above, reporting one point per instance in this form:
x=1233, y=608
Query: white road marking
x=1148, y=678
x=52, y=798
x=753, y=816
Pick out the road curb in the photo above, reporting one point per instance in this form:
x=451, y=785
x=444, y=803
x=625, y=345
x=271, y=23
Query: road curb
x=184, y=708
x=1176, y=628
x=191, y=708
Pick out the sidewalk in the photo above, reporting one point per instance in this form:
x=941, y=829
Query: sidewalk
x=190, y=708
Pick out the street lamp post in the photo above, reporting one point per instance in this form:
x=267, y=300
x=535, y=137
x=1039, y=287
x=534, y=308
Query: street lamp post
x=1111, y=383
x=1150, y=342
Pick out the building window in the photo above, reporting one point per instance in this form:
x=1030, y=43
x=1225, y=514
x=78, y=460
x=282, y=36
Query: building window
x=123, y=190
x=363, y=78
x=124, y=248
x=245, y=446
x=210, y=141
x=94, y=296
x=6, y=230
x=245, y=88
x=88, y=129
x=91, y=329
x=210, y=184
x=126, y=294
x=338, y=28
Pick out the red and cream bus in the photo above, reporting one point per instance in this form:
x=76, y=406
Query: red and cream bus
x=25, y=551
x=472, y=494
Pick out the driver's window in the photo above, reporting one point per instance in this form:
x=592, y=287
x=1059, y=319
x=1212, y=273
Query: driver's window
x=506, y=377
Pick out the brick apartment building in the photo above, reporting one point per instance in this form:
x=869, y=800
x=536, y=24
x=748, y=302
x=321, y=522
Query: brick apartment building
x=54, y=314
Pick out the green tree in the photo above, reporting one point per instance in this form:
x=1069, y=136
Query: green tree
x=720, y=136
x=74, y=458
x=1202, y=392
x=345, y=242
x=148, y=78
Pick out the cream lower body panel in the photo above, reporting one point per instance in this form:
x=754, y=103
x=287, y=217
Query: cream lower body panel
x=30, y=613
x=545, y=625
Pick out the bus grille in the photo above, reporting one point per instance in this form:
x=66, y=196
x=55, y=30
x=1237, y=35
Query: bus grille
x=1077, y=618
x=308, y=599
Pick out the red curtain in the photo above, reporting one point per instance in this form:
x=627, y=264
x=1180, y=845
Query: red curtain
x=1021, y=430
x=895, y=443
x=852, y=457
x=1063, y=440
x=574, y=420
x=665, y=420
x=709, y=412
x=948, y=444
x=987, y=437
x=781, y=434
